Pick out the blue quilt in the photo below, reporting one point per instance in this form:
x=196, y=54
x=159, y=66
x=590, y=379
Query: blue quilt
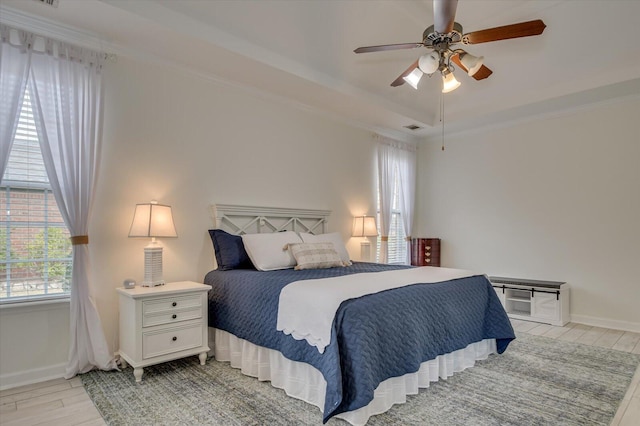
x=374, y=337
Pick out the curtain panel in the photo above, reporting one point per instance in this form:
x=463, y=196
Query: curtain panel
x=14, y=67
x=386, y=173
x=407, y=175
x=396, y=160
x=66, y=89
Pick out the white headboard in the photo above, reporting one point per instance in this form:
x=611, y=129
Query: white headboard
x=251, y=219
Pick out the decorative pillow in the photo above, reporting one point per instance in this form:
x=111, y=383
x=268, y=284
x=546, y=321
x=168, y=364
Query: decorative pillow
x=269, y=252
x=230, y=252
x=332, y=237
x=315, y=256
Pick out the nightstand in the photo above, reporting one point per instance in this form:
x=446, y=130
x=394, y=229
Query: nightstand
x=163, y=323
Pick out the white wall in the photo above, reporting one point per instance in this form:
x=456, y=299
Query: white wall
x=34, y=342
x=189, y=143
x=554, y=199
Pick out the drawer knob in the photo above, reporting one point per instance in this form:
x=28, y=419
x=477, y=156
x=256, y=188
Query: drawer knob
x=174, y=338
x=174, y=304
x=174, y=316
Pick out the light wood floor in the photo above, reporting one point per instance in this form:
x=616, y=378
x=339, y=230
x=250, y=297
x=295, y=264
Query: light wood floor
x=65, y=402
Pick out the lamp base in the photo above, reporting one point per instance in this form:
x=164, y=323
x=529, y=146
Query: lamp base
x=152, y=283
x=152, y=266
x=365, y=251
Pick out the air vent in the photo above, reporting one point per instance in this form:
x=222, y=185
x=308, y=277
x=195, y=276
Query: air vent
x=52, y=3
x=412, y=127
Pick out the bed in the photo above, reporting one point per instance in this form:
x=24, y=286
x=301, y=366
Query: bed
x=381, y=345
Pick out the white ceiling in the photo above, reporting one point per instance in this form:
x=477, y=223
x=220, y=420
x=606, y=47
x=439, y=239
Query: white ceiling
x=301, y=51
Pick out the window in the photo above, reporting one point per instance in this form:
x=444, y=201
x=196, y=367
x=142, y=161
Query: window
x=35, y=250
x=397, y=244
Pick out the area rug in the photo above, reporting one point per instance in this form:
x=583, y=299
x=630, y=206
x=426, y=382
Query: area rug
x=537, y=381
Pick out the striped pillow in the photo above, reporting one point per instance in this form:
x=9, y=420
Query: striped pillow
x=315, y=256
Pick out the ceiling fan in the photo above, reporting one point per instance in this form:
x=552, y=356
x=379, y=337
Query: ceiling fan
x=442, y=37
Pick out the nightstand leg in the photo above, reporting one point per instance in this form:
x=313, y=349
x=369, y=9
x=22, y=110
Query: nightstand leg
x=203, y=358
x=137, y=373
x=123, y=363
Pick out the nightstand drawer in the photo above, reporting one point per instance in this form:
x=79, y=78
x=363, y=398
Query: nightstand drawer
x=170, y=303
x=169, y=341
x=149, y=320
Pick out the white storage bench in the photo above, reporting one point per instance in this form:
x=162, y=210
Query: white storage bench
x=534, y=300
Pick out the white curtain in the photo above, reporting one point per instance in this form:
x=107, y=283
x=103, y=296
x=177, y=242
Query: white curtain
x=14, y=67
x=65, y=83
x=396, y=161
x=407, y=175
x=386, y=174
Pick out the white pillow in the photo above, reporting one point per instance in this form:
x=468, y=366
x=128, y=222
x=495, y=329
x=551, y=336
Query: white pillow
x=315, y=256
x=269, y=252
x=332, y=237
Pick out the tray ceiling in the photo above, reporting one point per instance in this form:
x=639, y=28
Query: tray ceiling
x=302, y=52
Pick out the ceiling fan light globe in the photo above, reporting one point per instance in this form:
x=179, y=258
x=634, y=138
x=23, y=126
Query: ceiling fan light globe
x=449, y=82
x=413, y=78
x=429, y=63
x=471, y=63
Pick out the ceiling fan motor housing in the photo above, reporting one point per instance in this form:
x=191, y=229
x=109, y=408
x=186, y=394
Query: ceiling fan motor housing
x=433, y=38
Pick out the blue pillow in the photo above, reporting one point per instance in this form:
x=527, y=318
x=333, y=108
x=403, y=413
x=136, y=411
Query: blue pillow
x=230, y=252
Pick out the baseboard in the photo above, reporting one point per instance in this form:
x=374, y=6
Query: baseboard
x=606, y=323
x=36, y=375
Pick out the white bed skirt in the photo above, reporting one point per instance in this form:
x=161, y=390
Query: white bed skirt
x=305, y=382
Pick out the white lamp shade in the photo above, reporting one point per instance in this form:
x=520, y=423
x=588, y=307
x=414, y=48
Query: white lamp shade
x=449, y=82
x=429, y=63
x=364, y=226
x=152, y=220
x=413, y=78
x=471, y=63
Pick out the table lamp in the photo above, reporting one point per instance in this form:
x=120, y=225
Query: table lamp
x=156, y=221
x=365, y=226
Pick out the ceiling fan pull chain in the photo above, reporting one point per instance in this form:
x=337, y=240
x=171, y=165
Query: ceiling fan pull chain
x=442, y=117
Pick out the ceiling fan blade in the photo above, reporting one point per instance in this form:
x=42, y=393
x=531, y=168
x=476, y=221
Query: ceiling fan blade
x=481, y=74
x=523, y=29
x=383, y=47
x=444, y=14
x=400, y=80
